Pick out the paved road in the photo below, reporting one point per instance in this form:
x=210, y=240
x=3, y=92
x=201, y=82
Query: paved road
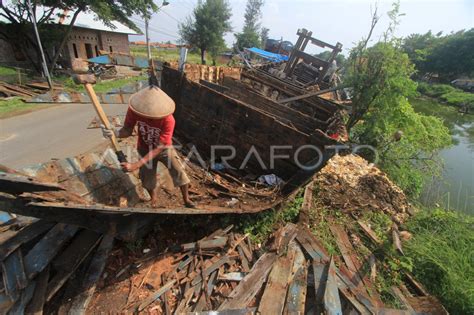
x=55, y=132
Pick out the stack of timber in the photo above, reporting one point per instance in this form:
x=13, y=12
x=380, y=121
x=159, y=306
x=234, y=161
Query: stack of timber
x=9, y=90
x=226, y=273
x=38, y=257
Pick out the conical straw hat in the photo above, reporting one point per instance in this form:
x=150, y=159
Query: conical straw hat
x=152, y=102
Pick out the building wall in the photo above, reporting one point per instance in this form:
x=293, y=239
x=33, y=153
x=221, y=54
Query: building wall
x=10, y=57
x=98, y=40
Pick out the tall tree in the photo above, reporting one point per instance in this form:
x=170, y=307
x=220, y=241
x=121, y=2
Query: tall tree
x=250, y=35
x=206, y=28
x=449, y=56
x=264, y=36
x=18, y=30
x=379, y=77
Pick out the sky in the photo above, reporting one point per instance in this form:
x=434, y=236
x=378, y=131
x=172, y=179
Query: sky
x=344, y=21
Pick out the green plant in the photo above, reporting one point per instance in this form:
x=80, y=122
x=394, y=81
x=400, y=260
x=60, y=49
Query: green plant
x=7, y=71
x=443, y=256
x=380, y=79
x=261, y=225
x=207, y=26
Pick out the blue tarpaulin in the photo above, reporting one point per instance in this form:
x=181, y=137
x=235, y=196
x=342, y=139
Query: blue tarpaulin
x=268, y=55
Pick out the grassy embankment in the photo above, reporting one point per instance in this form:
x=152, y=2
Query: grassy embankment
x=447, y=94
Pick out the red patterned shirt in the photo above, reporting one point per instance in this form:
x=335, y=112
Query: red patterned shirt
x=151, y=132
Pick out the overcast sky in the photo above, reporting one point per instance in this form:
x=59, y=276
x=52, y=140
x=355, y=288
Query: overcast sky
x=344, y=21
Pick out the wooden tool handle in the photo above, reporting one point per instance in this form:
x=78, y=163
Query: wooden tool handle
x=101, y=113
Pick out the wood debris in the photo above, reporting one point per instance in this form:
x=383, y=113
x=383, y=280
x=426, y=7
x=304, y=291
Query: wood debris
x=351, y=184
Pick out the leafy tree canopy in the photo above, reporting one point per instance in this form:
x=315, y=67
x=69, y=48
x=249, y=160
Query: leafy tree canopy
x=381, y=84
x=250, y=35
x=450, y=56
x=207, y=26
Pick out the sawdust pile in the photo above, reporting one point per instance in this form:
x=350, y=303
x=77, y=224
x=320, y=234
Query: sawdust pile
x=349, y=183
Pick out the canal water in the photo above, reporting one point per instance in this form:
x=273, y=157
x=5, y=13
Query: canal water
x=455, y=190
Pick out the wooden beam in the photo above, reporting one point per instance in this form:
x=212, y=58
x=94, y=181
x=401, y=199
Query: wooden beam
x=68, y=261
x=25, y=235
x=46, y=249
x=274, y=296
x=92, y=276
x=246, y=290
x=332, y=302
x=295, y=301
x=304, y=96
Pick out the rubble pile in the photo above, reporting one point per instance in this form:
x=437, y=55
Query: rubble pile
x=351, y=184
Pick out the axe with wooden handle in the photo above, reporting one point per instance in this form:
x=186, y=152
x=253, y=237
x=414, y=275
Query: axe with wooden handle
x=87, y=80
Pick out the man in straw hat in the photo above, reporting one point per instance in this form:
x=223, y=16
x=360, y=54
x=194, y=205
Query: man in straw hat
x=151, y=110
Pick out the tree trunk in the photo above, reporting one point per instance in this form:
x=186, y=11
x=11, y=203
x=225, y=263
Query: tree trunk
x=64, y=40
x=203, y=56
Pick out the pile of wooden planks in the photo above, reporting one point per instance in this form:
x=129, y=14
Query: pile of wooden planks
x=203, y=273
x=38, y=257
x=15, y=90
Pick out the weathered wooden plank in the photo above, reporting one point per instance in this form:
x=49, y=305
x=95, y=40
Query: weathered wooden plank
x=354, y=266
x=156, y=295
x=345, y=247
x=309, y=244
x=14, y=277
x=68, y=261
x=283, y=237
x=217, y=242
x=47, y=248
x=320, y=278
x=295, y=301
x=399, y=295
x=274, y=296
x=332, y=302
x=369, y=232
x=211, y=282
x=356, y=305
x=23, y=236
x=246, y=290
x=419, y=288
x=11, y=183
x=126, y=227
x=96, y=267
x=243, y=259
x=396, y=239
x=20, y=304
x=206, y=272
x=35, y=306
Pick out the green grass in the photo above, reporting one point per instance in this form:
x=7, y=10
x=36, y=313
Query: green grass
x=14, y=106
x=442, y=250
x=7, y=71
x=169, y=54
x=101, y=86
x=447, y=94
x=261, y=225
